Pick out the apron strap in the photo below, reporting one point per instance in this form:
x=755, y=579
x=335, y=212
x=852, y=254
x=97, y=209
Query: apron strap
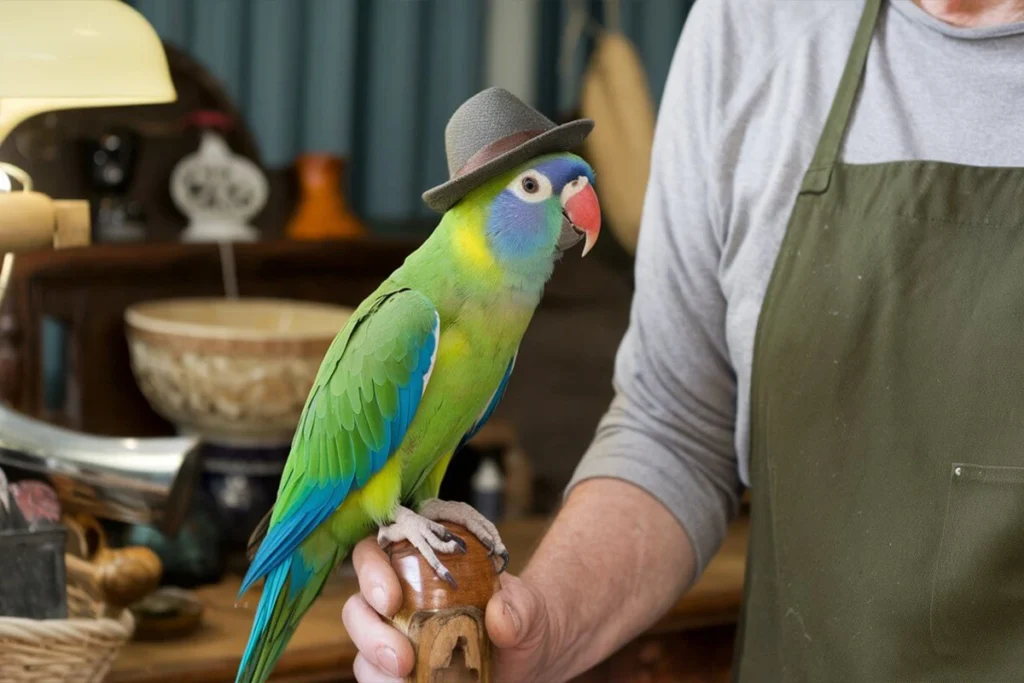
x=820, y=171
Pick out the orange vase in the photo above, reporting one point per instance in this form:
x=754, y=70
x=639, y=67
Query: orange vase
x=322, y=212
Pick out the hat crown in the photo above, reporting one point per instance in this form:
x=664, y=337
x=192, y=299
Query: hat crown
x=485, y=118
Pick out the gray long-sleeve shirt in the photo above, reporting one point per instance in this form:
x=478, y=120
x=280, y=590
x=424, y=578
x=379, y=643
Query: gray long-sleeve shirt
x=748, y=93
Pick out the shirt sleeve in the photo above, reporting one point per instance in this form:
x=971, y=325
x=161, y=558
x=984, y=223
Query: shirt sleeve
x=670, y=427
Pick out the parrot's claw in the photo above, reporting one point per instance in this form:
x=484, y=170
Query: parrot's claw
x=458, y=541
x=504, y=560
x=477, y=524
x=427, y=536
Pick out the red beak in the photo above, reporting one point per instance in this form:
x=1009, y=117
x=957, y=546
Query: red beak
x=581, y=206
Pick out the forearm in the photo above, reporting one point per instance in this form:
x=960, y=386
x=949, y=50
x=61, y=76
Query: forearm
x=613, y=561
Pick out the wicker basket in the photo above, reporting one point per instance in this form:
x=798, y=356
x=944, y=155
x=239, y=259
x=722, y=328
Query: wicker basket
x=79, y=649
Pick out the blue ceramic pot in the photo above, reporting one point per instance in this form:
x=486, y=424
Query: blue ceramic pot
x=192, y=557
x=242, y=480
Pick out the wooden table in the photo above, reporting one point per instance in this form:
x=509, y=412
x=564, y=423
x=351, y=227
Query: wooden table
x=321, y=650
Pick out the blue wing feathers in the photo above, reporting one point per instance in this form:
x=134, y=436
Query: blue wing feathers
x=363, y=465
x=383, y=449
x=397, y=431
x=491, y=406
x=300, y=573
x=271, y=591
x=292, y=529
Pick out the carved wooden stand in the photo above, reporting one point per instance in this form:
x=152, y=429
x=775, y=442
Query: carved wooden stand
x=446, y=624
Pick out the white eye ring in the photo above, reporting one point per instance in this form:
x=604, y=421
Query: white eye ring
x=531, y=186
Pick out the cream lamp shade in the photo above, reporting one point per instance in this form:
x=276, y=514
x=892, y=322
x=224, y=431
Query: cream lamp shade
x=69, y=54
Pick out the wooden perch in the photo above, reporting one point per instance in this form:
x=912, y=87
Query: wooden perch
x=446, y=624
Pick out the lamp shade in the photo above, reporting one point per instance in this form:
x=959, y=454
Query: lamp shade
x=68, y=54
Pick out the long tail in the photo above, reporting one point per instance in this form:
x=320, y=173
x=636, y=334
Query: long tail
x=288, y=591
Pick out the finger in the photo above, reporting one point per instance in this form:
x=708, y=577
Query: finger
x=514, y=614
x=382, y=645
x=377, y=579
x=367, y=673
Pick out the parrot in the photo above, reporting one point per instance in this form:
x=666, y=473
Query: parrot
x=416, y=371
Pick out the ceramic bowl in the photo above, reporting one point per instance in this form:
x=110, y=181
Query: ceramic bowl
x=233, y=371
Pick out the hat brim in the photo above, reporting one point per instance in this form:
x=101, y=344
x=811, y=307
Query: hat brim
x=561, y=138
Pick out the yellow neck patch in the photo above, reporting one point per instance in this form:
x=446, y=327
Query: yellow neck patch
x=471, y=246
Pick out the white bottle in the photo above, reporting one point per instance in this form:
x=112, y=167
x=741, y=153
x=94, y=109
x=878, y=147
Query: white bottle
x=488, y=487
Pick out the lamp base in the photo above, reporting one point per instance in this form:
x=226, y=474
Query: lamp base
x=219, y=232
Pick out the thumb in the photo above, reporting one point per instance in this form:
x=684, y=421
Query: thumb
x=516, y=615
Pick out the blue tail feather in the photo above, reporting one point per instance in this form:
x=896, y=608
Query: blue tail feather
x=272, y=588
x=286, y=597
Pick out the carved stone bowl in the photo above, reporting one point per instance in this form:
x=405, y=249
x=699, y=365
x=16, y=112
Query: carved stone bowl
x=233, y=371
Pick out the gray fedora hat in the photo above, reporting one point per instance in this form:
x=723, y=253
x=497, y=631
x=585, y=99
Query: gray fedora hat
x=492, y=132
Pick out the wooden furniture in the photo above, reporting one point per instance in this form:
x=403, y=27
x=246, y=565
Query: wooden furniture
x=561, y=387
x=86, y=292
x=691, y=644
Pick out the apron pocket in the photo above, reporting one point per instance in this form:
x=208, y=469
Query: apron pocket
x=977, y=606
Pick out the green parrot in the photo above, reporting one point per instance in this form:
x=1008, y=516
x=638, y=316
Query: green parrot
x=416, y=371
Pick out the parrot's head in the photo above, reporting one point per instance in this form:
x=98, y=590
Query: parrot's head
x=539, y=209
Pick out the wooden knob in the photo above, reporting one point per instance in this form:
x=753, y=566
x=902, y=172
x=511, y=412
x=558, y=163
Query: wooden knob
x=446, y=623
x=71, y=223
x=32, y=220
x=117, y=576
x=126, y=575
x=26, y=221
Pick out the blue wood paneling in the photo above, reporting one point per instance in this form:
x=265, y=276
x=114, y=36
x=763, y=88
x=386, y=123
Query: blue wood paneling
x=275, y=77
x=394, y=79
x=170, y=19
x=454, y=72
x=654, y=27
x=656, y=35
x=329, y=76
x=307, y=74
x=216, y=41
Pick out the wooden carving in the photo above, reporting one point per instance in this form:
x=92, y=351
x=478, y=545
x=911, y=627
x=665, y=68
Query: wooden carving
x=444, y=623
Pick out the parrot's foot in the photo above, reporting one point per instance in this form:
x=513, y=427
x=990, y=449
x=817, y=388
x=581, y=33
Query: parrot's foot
x=427, y=536
x=467, y=516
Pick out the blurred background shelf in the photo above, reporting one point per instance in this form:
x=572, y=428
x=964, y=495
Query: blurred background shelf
x=64, y=358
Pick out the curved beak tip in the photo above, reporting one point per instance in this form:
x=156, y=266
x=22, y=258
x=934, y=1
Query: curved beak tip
x=588, y=243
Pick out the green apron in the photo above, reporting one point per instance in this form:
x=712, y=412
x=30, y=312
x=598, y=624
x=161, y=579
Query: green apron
x=887, y=433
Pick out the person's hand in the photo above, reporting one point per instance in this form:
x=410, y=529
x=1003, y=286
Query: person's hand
x=517, y=621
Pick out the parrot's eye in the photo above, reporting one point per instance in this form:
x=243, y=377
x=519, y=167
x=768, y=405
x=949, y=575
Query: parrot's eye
x=531, y=186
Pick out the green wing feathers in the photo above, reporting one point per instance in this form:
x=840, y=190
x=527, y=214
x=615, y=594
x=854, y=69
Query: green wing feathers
x=362, y=402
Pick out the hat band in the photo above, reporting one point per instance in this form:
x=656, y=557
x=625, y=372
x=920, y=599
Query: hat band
x=496, y=149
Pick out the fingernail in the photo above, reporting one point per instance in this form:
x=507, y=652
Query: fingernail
x=380, y=598
x=513, y=616
x=387, y=660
